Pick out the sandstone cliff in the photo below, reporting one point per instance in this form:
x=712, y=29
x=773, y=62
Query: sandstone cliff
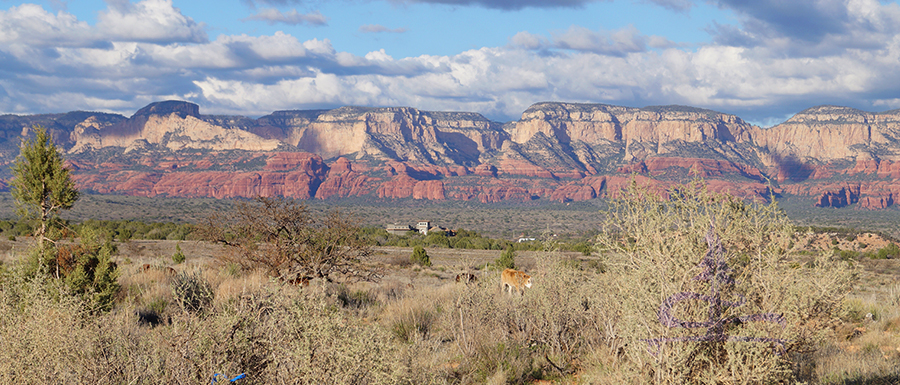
x=827, y=133
x=171, y=125
x=395, y=133
x=561, y=151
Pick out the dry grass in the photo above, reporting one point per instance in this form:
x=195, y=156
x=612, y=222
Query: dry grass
x=865, y=348
x=415, y=326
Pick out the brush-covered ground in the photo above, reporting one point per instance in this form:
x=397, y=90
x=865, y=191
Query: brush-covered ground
x=697, y=288
x=416, y=325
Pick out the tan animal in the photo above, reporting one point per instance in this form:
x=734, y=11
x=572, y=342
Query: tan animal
x=510, y=279
x=165, y=269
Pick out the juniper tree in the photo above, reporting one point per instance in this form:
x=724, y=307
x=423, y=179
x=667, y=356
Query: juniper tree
x=41, y=186
x=420, y=256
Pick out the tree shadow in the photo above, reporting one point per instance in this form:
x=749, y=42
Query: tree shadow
x=792, y=168
x=889, y=379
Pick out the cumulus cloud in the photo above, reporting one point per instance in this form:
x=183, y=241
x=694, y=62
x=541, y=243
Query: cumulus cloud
x=809, y=27
x=528, y=41
x=617, y=43
x=502, y=82
x=621, y=42
x=54, y=62
x=376, y=28
x=154, y=21
x=31, y=25
x=273, y=16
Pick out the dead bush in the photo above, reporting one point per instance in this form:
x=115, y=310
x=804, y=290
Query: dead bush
x=280, y=236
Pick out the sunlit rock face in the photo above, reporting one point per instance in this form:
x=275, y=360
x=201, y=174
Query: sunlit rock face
x=837, y=156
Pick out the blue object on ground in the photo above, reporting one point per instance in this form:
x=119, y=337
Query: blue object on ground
x=238, y=377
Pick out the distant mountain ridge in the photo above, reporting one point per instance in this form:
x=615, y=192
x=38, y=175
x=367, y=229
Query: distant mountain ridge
x=560, y=151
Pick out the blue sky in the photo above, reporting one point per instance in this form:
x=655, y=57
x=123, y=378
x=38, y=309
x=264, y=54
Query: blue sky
x=762, y=60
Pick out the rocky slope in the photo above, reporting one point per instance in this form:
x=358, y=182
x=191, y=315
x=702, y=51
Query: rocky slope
x=559, y=151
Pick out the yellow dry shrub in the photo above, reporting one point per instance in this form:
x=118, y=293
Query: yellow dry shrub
x=706, y=293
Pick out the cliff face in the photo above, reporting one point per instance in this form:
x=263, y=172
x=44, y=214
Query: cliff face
x=560, y=151
x=171, y=125
x=396, y=133
x=828, y=133
x=596, y=124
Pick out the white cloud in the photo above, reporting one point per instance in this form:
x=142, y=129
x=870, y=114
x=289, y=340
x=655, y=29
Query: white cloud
x=619, y=42
x=528, y=41
x=614, y=43
x=155, y=21
x=889, y=103
x=809, y=28
x=55, y=63
x=273, y=16
x=379, y=55
x=30, y=24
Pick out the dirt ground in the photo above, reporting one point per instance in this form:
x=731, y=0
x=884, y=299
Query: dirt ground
x=875, y=275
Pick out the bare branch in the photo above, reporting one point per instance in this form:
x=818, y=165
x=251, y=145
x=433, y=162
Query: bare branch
x=282, y=237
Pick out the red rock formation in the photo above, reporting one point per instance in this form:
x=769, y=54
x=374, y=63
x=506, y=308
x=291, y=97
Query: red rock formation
x=843, y=197
x=876, y=203
x=513, y=167
x=343, y=182
x=284, y=161
x=294, y=184
x=559, y=151
x=866, y=194
x=405, y=186
x=486, y=170
x=494, y=194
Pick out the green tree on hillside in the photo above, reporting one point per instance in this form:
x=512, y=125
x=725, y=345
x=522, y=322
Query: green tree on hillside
x=41, y=185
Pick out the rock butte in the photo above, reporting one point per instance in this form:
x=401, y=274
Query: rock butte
x=839, y=156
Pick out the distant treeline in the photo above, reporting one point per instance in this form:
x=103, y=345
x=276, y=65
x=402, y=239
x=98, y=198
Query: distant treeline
x=847, y=232
x=125, y=230
x=462, y=239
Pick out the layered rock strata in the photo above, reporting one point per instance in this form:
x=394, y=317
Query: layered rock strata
x=560, y=151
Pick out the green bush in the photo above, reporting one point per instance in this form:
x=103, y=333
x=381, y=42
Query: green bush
x=585, y=248
x=85, y=268
x=507, y=259
x=420, y=256
x=125, y=235
x=890, y=251
x=437, y=238
x=178, y=257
